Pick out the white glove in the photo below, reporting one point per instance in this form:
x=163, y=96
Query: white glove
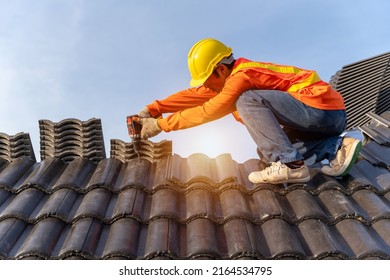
x=144, y=113
x=150, y=127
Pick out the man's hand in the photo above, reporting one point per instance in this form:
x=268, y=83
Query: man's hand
x=144, y=113
x=150, y=127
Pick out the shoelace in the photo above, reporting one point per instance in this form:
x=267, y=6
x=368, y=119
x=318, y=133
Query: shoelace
x=275, y=167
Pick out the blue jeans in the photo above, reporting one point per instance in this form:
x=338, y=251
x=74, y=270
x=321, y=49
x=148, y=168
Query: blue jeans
x=286, y=130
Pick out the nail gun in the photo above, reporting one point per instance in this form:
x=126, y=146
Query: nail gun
x=134, y=128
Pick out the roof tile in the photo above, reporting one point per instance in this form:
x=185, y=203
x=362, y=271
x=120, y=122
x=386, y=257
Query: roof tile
x=94, y=204
x=236, y=204
x=58, y=205
x=376, y=207
x=128, y=203
x=76, y=175
x=339, y=206
x=10, y=231
x=82, y=238
x=304, y=205
x=382, y=228
x=204, y=239
x=282, y=240
x=43, y=174
x=42, y=238
x=202, y=203
x=12, y=172
x=162, y=238
x=104, y=175
x=122, y=239
x=165, y=203
x=365, y=174
x=22, y=205
x=245, y=239
x=271, y=205
x=363, y=243
x=321, y=240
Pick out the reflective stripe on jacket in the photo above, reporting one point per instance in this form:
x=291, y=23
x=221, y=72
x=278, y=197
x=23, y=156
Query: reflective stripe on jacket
x=195, y=106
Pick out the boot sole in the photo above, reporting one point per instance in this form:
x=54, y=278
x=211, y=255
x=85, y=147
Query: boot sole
x=289, y=181
x=298, y=180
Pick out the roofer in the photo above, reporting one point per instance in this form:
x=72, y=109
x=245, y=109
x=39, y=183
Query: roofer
x=291, y=114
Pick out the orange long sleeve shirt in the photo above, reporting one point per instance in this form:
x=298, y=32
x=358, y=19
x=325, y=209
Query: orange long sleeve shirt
x=195, y=106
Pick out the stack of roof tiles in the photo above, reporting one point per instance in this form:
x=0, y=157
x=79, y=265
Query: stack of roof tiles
x=15, y=146
x=71, y=138
x=77, y=204
x=365, y=86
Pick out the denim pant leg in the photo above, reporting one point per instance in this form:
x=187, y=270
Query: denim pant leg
x=284, y=129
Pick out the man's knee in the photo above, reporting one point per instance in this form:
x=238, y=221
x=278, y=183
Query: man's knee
x=244, y=99
x=248, y=98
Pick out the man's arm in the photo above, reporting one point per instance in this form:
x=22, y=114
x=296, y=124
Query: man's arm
x=216, y=107
x=181, y=100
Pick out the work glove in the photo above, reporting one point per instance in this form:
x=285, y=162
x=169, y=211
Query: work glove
x=144, y=113
x=150, y=127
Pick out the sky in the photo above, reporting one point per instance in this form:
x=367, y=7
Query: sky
x=105, y=59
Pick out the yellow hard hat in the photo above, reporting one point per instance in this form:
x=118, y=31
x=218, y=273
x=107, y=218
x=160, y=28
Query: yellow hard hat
x=203, y=57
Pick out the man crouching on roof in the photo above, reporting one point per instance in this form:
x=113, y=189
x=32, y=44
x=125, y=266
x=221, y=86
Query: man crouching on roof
x=291, y=114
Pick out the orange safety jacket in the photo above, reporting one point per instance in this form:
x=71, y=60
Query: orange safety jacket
x=195, y=106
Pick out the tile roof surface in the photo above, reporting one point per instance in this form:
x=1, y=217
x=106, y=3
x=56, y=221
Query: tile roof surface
x=77, y=204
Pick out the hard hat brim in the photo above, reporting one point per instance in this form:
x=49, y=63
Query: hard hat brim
x=196, y=83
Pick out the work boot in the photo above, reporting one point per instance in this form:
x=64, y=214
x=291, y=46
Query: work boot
x=345, y=158
x=279, y=173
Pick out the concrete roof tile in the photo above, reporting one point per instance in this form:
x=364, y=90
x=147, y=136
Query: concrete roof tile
x=363, y=243
x=282, y=240
x=305, y=206
x=321, y=240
